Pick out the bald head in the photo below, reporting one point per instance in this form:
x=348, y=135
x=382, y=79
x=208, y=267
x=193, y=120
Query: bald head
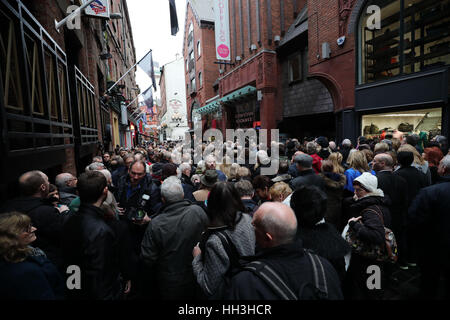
x=65, y=180
x=383, y=161
x=275, y=224
x=34, y=184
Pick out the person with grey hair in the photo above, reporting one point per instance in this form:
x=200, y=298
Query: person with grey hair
x=306, y=175
x=95, y=166
x=186, y=169
x=431, y=208
x=246, y=191
x=98, y=159
x=283, y=261
x=168, y=241
x=345, y=149
x=48, y=220
x=311, y=149
x=67, y=187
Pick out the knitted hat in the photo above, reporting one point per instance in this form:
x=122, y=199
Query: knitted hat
x=368, y=181
x=323, y=142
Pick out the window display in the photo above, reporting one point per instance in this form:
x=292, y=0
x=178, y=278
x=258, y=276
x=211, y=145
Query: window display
x=428, y=121
x=414, y=36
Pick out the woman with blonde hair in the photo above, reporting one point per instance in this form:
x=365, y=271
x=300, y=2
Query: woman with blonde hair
x=234, y=168
x=25, y=272
x=336, y=158
x=357, y=165
x=280, y=191
x=419, y=163
x=243, y=173
x=225, y=166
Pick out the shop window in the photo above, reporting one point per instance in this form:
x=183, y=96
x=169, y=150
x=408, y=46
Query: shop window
x=295, y=68
x=414, y=36
x=428, y=121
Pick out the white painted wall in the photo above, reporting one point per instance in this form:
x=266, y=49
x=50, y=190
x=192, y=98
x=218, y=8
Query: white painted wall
x=175, y=98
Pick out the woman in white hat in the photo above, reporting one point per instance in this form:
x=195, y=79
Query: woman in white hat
x=370, y=215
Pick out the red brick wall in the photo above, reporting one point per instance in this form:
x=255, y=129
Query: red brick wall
x=203, y=63
x=338, y=72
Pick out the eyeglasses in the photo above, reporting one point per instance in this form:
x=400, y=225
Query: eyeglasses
x=29, y=229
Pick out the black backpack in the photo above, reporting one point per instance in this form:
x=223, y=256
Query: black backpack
x=308, y=291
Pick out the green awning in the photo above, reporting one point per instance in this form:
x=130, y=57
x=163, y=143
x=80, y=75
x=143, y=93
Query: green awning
x=216, y=105
x=238, y=94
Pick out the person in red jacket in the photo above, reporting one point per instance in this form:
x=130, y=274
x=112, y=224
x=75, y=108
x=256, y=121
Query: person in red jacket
x=311, y=149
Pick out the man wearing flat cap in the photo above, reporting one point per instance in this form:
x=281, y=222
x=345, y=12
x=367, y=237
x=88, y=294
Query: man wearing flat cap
x=306, y=176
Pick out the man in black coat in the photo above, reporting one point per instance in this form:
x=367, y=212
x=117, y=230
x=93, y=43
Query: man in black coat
x=429, y=220
x=91, y=244
x=131, y=193
x=275, y=230
x=395, y=188
x=306, y=176
x=34, y=189
x=415, y=180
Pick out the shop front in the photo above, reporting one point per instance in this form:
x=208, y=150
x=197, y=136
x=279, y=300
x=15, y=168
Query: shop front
x=402, y=70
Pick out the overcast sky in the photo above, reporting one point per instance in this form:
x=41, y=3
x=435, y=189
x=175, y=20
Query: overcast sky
x=150, y=22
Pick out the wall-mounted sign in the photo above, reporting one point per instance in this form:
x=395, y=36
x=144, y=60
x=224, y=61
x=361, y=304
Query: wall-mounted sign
x=175, y=104
x=98, y=9
x=222, y=30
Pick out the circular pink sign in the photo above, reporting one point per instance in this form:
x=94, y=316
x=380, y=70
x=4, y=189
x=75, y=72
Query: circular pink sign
x=223, y=51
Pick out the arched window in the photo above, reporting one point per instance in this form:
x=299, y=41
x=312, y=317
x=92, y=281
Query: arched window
x=200, y=80
x=199, y=49
x=410, y=36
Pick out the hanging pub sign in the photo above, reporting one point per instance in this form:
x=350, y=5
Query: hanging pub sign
x=98, y=9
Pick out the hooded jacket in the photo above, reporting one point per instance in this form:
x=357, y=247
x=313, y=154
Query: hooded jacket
x=67, y=195
x=334, y=187
x=371, y=228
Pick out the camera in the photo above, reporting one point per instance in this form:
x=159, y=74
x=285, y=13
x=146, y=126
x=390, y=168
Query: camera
x=138, y=213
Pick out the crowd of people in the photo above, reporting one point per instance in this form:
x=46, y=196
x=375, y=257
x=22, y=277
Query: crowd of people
x=149, y=223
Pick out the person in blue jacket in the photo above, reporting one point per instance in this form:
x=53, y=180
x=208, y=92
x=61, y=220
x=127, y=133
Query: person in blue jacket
x=357, y=165
x=25, y=272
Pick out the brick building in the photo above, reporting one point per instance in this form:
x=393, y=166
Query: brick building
x=199, y=55
x=313, y=67
x=385, y=79
x=54, y=112
x=250, y=86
